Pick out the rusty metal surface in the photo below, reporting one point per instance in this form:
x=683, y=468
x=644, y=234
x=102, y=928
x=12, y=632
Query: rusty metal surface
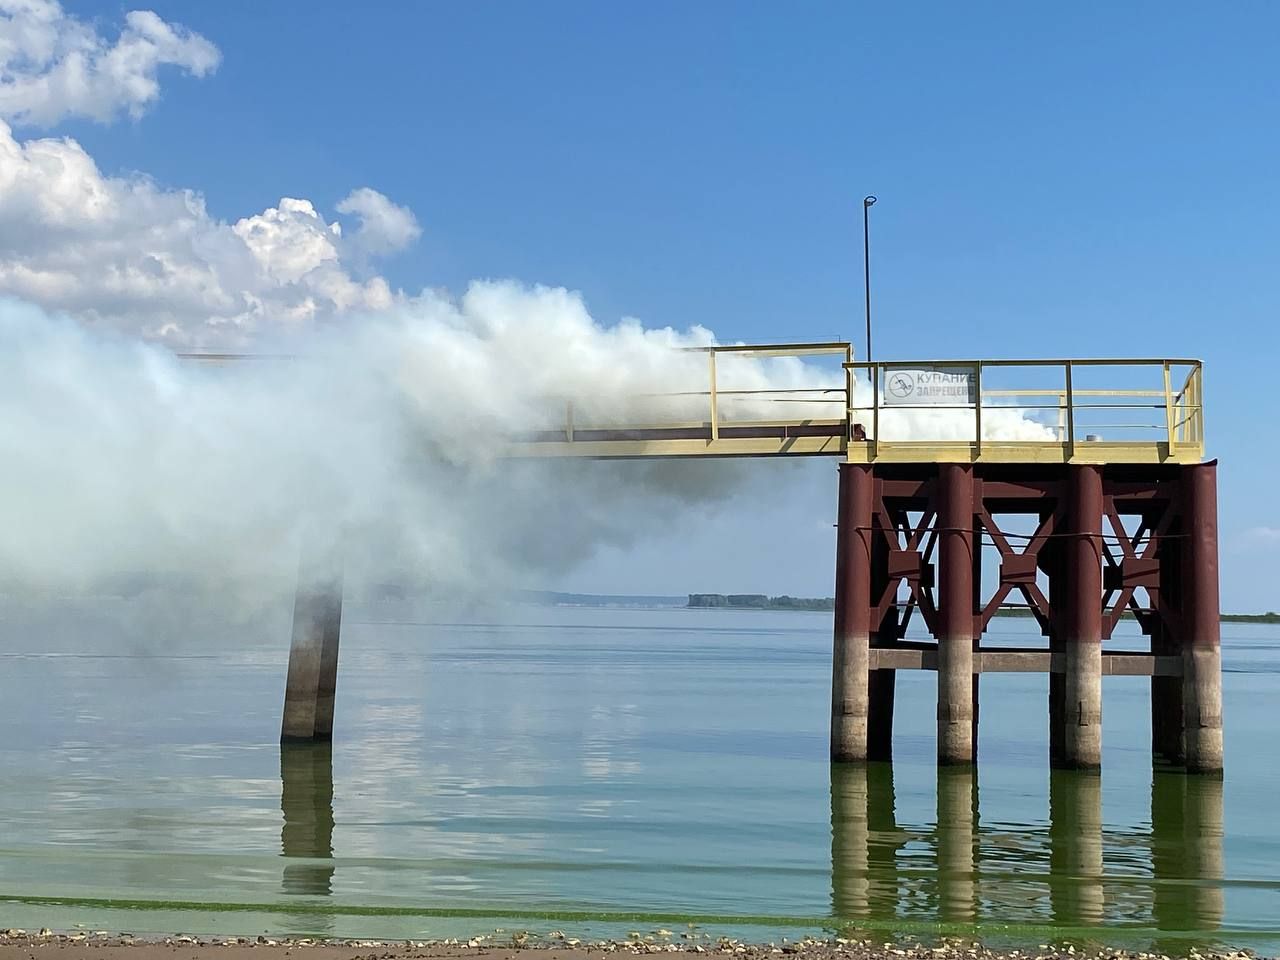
x=1138, y=533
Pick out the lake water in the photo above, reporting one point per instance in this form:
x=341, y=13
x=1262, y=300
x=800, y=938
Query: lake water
x=596, y=771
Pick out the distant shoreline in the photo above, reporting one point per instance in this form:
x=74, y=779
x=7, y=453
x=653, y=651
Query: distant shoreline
x=760, y=601
x=1269, y=617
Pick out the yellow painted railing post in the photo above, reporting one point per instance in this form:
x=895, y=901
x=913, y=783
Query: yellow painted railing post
x=1168, y=408
x=1071, y=416
x=1200, y=405
x=874, y=371
x=977, y=407
x=715, y=421
x=1180, y=409
x=848, y=399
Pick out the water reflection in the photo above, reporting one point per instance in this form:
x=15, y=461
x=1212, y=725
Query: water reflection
x=1186, y=852
x=956, y=838
x=306, y=800
x=865, y=841
x=1066, y=870
x=1075, y=847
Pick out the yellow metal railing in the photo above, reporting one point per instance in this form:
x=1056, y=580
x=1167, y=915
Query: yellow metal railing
x=831, y=396
x=1012, y=411
x=1089, y=411
x=736, y=406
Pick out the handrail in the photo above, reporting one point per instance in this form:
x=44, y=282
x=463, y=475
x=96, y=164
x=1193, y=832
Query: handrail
x=1078, y=430
x=833, y=397
x=777, y=349
x=1099, y=410
x=1037, y=362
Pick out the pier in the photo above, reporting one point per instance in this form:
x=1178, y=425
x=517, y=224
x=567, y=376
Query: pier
x=1075, y=491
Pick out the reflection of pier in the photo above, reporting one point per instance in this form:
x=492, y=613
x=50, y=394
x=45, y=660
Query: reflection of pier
x=306, y=800
x=1075, y=847
x=1186, y=826
x=873, y=877
x=864, y=840
x=956, y=839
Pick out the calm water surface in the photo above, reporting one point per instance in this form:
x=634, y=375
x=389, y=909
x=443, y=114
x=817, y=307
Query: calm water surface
x=596, y=771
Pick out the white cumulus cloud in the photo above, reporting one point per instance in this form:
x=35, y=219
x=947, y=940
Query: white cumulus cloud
x=384, y=226
x=128, y=253
x=54, y=65
x=1262, y=536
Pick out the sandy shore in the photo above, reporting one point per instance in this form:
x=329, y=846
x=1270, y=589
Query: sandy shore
x=21, y=945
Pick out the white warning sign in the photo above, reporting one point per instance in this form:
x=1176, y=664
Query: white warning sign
x=953, y=385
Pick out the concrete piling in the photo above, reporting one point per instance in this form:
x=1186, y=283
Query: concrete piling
x=976, y=578
x=1082, y=685
x=313, y=655
x=327, y=682
x=1052, y=562
x=1202, y=635
x=851, y=651
x=955, y=611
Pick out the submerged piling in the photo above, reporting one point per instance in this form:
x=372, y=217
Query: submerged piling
x=313, y=653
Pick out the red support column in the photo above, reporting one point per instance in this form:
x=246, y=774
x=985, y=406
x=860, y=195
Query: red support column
x=1082, y=740
x=1201, y=627
x=851, y=657
x=1052, y=564
x=881, y=684
x=1166, y=640
x=955, y=614
x=977, y=631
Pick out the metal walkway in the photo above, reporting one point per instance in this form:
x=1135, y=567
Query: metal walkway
x=1089, y=411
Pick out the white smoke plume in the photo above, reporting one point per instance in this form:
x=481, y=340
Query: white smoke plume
x=388, y=434
x=124, y=461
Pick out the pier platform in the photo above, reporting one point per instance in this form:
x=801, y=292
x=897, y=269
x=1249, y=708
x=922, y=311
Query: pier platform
x=1075, y=489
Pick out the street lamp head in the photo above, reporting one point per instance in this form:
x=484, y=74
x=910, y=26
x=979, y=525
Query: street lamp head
x=868, y=201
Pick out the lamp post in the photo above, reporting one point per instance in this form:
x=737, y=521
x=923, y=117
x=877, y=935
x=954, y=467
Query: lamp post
x=866, y=271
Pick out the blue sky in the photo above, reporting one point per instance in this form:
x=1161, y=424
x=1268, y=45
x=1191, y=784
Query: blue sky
x=1081, y=180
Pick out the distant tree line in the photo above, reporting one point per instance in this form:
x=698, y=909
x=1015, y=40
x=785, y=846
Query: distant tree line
x=759, y=601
